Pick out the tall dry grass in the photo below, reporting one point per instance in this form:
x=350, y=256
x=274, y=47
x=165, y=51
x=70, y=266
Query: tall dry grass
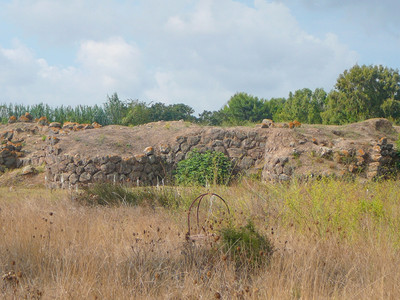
x=333, y=240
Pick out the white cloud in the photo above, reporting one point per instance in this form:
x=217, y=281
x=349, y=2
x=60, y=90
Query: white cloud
x=259, y=50
x=199, y=53
x=114, y=62
x=103, y=67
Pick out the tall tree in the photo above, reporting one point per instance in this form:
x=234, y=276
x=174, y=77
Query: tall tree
x=243, y=107
x=211, y=118
x=138, y=113
x=360, y=93
x=115, y=109
x=304, y=106
x=316, y=106
x=275, y=107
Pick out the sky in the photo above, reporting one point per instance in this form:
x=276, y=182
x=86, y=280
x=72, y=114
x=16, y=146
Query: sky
x=196, y=52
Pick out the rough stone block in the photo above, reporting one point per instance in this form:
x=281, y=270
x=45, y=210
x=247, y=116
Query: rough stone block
x=85, y=177
x=91, y=168
x=73, y=178
x=99, y=177
x=79, y=170
x=216, y=134
x=181, y=139
x=141, y=158
x=220, y=149
x=107, y=168
x=123, y=167
x=185, y=147
x=137, y=167
x=193, y=140
x=246, y=163
x=147, y=168
x=249, y=144
x=217, y=143
x=115, y=159
x=165, y=149
x=148, y=151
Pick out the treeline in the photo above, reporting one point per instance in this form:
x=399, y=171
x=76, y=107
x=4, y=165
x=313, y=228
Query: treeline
x=114, y=111
x=360, y=93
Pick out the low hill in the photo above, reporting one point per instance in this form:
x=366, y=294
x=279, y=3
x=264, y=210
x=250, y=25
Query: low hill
x=280, y=153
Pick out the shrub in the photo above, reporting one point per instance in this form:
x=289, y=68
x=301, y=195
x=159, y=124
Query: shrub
x=246, y=245
x=202, y=168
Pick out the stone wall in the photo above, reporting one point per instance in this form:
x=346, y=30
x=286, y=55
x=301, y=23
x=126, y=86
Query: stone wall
x=383, y=160
x=68, y=171
x=156, y=163
x=280, y=153
x=11, y=153
x=287, y=157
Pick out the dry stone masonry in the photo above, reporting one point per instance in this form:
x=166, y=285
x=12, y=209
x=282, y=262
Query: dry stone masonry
x=156, y=164
x=12, y=154
x=290, y=155
x=277, y=152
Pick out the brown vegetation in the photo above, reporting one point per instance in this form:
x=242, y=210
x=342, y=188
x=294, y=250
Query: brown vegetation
x=332, y=240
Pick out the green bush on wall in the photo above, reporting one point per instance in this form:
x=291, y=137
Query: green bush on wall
x=201, y=168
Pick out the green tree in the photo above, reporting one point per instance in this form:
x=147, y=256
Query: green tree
x=181, y=111
x=174, y=112
x=316, y=106
x=211, y=118
x=275, y=107
x=360, y=93
x=297, y=106
x=304, y=106
x=138, y=113
x=391, y=109
x=115, y=109
x=242, y=108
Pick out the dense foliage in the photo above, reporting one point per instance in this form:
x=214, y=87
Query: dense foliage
x=246, y=245
x=204, y=168
x=360, y=93
x=114, y=111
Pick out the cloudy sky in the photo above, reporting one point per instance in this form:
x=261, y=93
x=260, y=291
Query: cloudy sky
x=197, y=52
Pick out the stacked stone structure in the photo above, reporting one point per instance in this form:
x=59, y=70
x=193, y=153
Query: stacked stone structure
x=156, y=164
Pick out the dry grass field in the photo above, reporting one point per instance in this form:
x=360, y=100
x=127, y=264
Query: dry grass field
x=332, y=240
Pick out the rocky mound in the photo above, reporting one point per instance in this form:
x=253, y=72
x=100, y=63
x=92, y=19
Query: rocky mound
x=280, y=151
x=362, y=149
